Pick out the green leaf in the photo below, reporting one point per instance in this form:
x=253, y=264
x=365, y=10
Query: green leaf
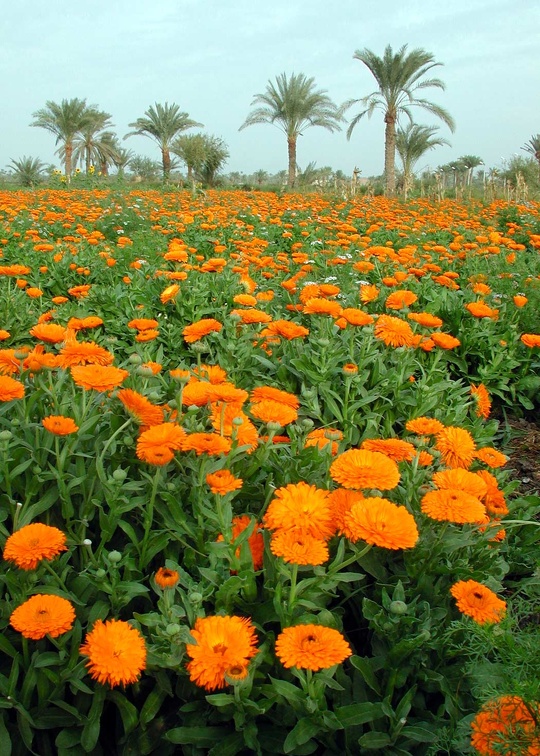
x=357, y=714
x=418, y=734
x=303, y=731
x=204, y=737
x=128, y=712
x=374, y=740
x=90, y=733
x=364, y=666
x=5, y=740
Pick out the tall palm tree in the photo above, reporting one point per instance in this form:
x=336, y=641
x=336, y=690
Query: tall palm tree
x=293, y=104
x=399, y=77
x=64, y=120
x=411, y=144
x=85, y=149
x=163, y=123
x=533, y=148
x=470, y=162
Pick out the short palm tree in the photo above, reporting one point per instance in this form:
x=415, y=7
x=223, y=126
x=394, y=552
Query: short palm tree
x=85, y=148
x=399, y=77
x=411, y=144
x=65, y=121
x=204, y=156
x=122, y=159
x=294, y=104
x=163, y=123
x=27, y=170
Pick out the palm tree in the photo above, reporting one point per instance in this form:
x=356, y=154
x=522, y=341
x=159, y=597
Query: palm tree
x=215, y=158
x=191, y=149
x=122, y=159
x=163, y=123
x=533, y=148
x=470, y=162
x=65, y=121
x=85, y=143
x=27, y=170
x=293, y=104
x=399, y=76
x=411, y=144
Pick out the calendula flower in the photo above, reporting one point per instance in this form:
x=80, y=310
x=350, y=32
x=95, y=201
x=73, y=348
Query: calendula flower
x=263, y=393
x=98, y=377
x=506, y=725
x=255, y=540
x=325, y=437
x=43, y=614
x=116, y=653
x=143, y=324
x=285, y=329
x=393, y=331
x=424, y=426
x=530, y=340
x=207, y=443
x=400, y=299
x=60, y=425
x=48, y=332
x=494, y=499
x=148, y=335
x=83, y=353
x=4, y=334
x=491, y=457
x=169, y=293
x=483, y=400
x=222, y=649
x=380, y=522
x=478, y=601
x=356, y=317
x=312, y=647
x=462, y=480
x=445, y=340
x=140, y=407
x=158, y=443
x=341, y=501
x=166, y=578
x=200, y=329
x=32, y=543
x=394, y=448
x=368, y=292
x=79, y=324
x=425, y=319
x=297, y=547
x=457, y=447
x=223, y=482
x=481, y=310
x=452, y=505
x=10, y=389
x=363, y=469
x=269, y=411
x=321, y=306
x=302, y=508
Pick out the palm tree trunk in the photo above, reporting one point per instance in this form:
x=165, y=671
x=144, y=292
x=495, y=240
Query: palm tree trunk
x=291, y=145
x=390, y=154
x=67, y=160
x=166, y=157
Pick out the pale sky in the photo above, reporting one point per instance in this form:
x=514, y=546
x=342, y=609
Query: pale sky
x=212, y=56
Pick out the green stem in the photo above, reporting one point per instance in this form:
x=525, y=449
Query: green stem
x=149, y=515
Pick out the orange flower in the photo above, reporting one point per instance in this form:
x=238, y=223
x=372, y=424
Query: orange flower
x=285, y=329
x=59, y=425
x=148, y=335
x=200, y=329
x=116, y=652
x=255, y=540
x=457, y=447
x=169, y=293
x=79, y=292
x=41, y=615
x=157, y=444
x=321, y=306
x=245, y=433
x=424, y=426
x=506, y=723
x=445, y=340
x=481, y=310
x=79, y=324
x=368, y=293
x=38, y=358
x=520, y=300
x=356, y=317
x=32, y=543
x=395, y=448
x=262, y=393
x=400, y=299
x=301, y=508
x=143, y=324
x=252, y=316
x=311, y=647
x=207, y=443
x=477, y=601
x=361, y=469
x=223, y=648
x=214, y=374
x=196, y=393
x=10, y=389
x=140, y=407
x=491, y=457
x=462, y=480
x=323, y=437
x=493, y=499
x=425, y=319
x=341, y=501
x=4, y=335
x=381, y=523
x=52, y=333
x=166, y=578
x=269, y=411
x=98, y=377
x=483, y=400
x=223, y=482
x=530, y=340
x=83, y=353
x=299, y=548
x=452, y=505
x=393, y=331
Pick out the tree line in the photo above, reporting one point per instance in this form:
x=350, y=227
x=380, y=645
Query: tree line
x=293, y=103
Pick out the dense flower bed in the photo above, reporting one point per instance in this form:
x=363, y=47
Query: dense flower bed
x=252, y=498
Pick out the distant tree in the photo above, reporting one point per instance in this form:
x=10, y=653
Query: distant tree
x=163, y=123
x=294, y=104
x=411, y=144
x=65, y=121
x=85, y=143
x=191, y=149
x=122, y=159
x=470, y=162
x=217, y=154
x=260, y=176
x=399, y=76
x=27, y=170
x=144, y=167
x=533, y=148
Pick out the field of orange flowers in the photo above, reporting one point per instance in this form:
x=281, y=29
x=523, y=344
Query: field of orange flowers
x=253, y=495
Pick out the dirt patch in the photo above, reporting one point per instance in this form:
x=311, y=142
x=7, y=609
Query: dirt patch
x=524, y=453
